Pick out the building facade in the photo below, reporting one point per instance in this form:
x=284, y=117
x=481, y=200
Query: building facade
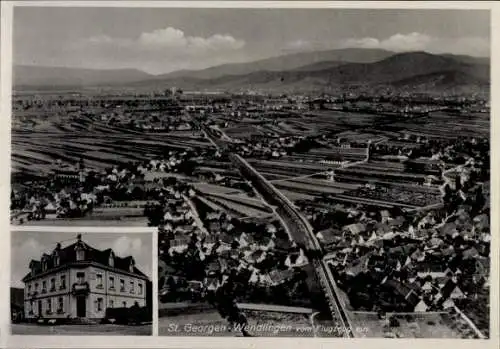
x=79, y=281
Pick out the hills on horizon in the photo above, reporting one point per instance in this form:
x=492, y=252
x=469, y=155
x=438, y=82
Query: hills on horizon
x=306, y=71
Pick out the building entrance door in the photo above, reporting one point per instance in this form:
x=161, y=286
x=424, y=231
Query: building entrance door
x=40, y=308
x=81, y=310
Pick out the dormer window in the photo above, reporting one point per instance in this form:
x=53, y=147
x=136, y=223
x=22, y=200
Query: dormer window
x=111, y=260
x=80, y=250
x=80, y=255
x=44, y=265
x=57, y=260
x=131, y=266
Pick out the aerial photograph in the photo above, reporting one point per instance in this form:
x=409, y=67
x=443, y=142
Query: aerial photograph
x=307, y=172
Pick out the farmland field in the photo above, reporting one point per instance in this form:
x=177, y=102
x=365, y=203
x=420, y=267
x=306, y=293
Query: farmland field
x=243, y=210
x=316, y=186
x=217, y=189
x=100, y=146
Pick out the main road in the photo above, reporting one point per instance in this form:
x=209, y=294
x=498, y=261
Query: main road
x=301, y=231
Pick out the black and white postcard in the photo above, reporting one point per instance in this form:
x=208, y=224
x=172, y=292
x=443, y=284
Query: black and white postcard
x=238, y=173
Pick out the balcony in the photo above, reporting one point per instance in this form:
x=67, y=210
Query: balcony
x=80, y=288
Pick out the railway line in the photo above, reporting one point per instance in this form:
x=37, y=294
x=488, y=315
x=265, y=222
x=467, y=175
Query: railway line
x=300, y=230
x=303, y=233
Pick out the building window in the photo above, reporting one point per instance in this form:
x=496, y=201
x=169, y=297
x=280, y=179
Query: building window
x=140, y=287
x=80, y=254
x=80, y=277
x=30, y=310
x=63, y=282
x=29, y=289
x=49, y=306
x=131, y=267
x=56, y=260
x=124, y=303
x=99, y=304
x=99, y=281
x=111, y=303
x=60, y=305
x=44, y=266
x=52, y=284
x=111, y=260
x=36, y=286
x=44, y=286
x=132, y=287
x=122, y=285
x=111, y=282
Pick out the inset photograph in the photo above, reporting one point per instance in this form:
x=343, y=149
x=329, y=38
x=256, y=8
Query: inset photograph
x=81, y=283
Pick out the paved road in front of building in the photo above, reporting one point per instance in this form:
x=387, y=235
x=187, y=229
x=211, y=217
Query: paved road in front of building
x=70, y=330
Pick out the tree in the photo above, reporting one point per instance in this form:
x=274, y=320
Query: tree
x=154, y=213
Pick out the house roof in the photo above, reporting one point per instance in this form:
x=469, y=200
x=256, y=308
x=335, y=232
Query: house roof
x=404, y=291
x=470, y=253
x=256, y=255
x=355, y=228
x=330, y=235
x=283, y=244
x=397, y=221
x=448, y=229
x=482, y=220
x=68, y=255
x=484, y=264
x=448, y=288
x=382, y=228
x=278, y=276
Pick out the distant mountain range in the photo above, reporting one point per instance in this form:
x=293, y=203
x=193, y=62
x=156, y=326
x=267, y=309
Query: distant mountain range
x=309, y=71
x=286, y=62
x=32, y=76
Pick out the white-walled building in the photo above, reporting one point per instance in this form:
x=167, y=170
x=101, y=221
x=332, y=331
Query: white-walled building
x=79, y=281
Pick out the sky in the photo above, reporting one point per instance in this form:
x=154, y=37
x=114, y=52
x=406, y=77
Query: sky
x=31, y=245
x=161, y=40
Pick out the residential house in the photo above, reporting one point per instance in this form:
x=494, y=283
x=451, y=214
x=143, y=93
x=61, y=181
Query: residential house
x=452, y=291
x=297, y=259
x=256, y=257
x=277, y=277
x=79, y=281
x=421, y=307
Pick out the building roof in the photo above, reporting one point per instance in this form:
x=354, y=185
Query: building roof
x=68, y=255
x=403, y=291
x=448, y=289
x=279, y=276
x=355, y=228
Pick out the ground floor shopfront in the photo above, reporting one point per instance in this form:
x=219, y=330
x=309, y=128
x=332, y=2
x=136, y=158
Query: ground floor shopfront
x=84, y=305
